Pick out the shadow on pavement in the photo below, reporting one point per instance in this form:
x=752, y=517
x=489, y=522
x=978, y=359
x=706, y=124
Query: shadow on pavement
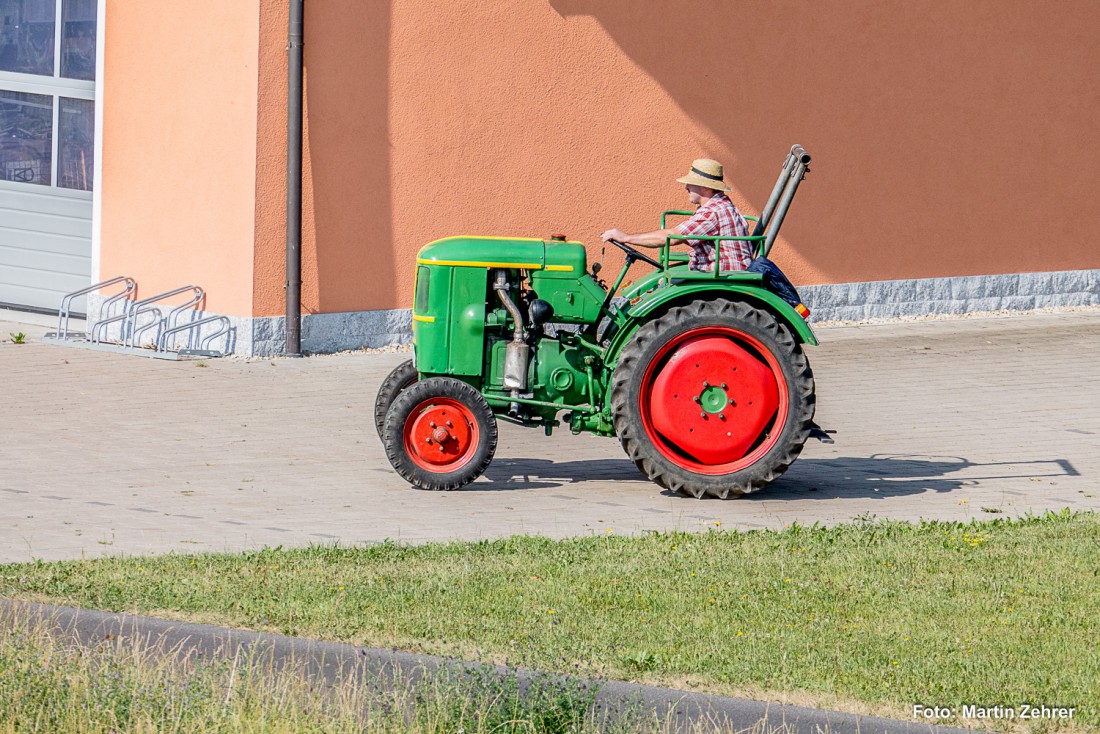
x=504, y=473
x=876, y=476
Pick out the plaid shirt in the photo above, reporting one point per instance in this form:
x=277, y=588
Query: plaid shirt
x=718, y=218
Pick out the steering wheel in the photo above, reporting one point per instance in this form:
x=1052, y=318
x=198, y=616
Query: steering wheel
x=635, y=254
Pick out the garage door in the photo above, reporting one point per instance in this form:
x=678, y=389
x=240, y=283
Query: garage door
x=47, y=144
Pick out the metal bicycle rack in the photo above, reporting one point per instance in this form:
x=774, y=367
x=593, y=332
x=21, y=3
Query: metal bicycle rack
x=130, y=326
x=67, y=303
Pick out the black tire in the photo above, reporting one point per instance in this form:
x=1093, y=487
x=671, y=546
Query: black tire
x=429, y=409
x=402, y=376
x=650, y=352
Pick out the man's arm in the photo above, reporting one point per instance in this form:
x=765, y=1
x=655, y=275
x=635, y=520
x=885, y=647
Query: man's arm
x=645, y=239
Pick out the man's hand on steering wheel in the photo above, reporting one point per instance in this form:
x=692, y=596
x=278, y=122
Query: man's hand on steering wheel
x=615, y=237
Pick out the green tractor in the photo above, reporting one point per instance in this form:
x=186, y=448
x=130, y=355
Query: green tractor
x=700, y=375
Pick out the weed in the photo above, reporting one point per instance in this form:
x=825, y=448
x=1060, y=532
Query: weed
x=19, y=338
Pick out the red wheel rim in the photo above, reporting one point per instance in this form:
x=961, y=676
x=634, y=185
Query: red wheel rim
x=441, y=435
x=714, y=400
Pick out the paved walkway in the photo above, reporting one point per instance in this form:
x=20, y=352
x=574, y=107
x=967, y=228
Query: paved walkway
x=111, y=454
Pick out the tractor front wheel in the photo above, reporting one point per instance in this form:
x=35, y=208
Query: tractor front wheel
x=713, y=398
x=403, y=376
x=440, y=434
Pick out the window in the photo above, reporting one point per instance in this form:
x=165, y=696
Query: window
x=47, y=92
x=422, y=277
x=78, y=38
x=26, y=137
x=76, y=130
x=27, y=36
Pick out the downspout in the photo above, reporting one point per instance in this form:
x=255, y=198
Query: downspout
x=295, y=42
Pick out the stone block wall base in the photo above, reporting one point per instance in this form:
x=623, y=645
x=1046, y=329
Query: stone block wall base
x=883, y=299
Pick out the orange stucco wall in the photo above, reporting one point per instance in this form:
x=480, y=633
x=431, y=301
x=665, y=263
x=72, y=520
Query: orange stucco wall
x=179, y=147
x=949, y=138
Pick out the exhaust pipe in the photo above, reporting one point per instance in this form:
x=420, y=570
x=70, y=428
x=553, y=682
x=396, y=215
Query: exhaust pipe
x=800, y=160
x=517, y=353
x=797, y=155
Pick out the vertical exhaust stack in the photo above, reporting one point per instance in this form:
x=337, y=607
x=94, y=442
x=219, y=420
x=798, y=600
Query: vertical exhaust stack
x=796, y=167
x=517, y=353
x=769, y=208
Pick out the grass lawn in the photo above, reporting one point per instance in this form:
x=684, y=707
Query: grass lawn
x=870, y=617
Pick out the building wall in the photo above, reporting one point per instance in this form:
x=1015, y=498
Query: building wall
x=179, y=147
x=947, y=137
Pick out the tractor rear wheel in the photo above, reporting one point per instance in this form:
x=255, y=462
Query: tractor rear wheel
x=402, y=376
x=440, y=434
x=713, y=398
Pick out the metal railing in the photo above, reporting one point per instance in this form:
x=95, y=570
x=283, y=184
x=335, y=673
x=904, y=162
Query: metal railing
x=204, y=341
x=130, y=326
x=67, y=302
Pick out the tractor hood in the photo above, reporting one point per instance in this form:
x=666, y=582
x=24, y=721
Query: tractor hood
x=504, y=252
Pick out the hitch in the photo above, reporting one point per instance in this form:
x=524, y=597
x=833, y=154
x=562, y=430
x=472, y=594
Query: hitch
x=822, y=435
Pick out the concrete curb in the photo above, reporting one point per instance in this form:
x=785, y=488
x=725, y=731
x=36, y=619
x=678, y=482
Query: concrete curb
x=683, y=710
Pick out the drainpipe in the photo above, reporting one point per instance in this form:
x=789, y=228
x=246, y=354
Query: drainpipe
x=295, y=41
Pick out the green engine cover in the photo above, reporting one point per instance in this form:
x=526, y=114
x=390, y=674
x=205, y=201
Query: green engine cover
x=453, y=290
x=566, y=285
x=449, y=320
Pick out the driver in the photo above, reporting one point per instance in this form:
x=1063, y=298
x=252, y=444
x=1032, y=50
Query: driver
x=715, y=216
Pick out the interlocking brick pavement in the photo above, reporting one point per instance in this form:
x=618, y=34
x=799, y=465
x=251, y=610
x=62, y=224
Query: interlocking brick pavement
x=111, y=454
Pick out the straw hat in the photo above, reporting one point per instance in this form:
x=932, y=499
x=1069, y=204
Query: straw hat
x=705, y=172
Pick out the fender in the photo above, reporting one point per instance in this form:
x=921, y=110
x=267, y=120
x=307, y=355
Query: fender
x=744, y=289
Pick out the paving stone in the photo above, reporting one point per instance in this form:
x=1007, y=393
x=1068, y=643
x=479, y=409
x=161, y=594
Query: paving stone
x=935, y=419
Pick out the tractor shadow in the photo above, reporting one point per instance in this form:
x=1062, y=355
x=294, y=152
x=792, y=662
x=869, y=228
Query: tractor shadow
x=878, y=476
x=881, y=476
x=525, y=474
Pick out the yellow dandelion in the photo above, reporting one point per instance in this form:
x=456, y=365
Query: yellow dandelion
x=740, y=633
